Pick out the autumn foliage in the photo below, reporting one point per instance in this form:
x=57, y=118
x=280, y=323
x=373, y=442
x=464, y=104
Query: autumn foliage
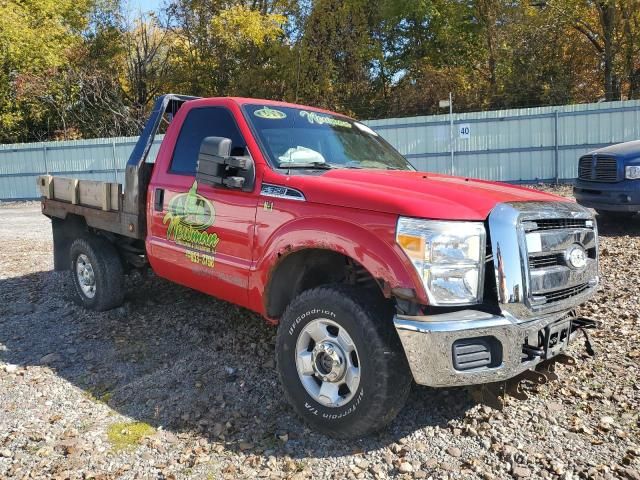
x=90, y=68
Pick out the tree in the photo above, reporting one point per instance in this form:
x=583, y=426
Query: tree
x=81, y=68
x=599, y=22
x=215, y=42
x=148, y=48
x=35, y=38
x=336, y=55
x=630, y=11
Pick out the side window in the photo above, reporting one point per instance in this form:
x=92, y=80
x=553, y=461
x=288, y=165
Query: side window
x=199, y=124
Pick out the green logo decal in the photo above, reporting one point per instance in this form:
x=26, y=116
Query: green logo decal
x=314, y=117
x=270, y=113
x=188, y=217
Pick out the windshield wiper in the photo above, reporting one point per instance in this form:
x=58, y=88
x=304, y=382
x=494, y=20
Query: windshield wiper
x=308, y=165
x=355, y=165
x=373, y=164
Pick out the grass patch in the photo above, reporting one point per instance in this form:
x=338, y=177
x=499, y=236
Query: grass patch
x=128, y=435
x=105, y=397
x=98, y=394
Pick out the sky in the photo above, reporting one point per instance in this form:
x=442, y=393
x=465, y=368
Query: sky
x=145, y=5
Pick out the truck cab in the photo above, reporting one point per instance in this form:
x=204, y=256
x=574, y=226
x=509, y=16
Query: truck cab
x=608, y=180
x=376, y=275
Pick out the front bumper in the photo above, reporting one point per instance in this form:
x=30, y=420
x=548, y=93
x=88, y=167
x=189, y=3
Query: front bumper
x=616, y=197
x=429, y=343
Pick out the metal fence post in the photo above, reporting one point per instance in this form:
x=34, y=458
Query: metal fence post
x=44, y=157
x=115, y=165
x=451, y=137
x=557, y=147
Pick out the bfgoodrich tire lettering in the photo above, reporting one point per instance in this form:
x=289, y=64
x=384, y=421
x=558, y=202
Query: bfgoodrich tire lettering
x=106, y=270
x=385, y=379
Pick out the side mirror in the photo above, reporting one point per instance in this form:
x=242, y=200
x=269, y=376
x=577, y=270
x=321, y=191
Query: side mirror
x=216, y=146
x=217, y=167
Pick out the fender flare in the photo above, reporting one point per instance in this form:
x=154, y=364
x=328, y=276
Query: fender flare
x=385, y=262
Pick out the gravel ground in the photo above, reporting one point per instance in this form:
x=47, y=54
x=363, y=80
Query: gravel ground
x=176, y=384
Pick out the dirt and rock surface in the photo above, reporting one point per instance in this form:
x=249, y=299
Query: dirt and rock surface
x=176, y=384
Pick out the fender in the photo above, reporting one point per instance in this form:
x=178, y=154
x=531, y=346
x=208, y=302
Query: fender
x=384, y=261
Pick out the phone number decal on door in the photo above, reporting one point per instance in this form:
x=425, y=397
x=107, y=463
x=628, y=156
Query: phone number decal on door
x=200, y=258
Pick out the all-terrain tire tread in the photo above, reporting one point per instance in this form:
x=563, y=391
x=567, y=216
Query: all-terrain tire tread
x=391, y=365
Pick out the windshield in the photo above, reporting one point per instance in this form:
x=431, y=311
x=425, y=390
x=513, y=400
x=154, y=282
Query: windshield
x=298, y=138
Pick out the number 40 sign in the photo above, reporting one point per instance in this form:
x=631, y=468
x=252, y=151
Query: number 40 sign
x=464, y=130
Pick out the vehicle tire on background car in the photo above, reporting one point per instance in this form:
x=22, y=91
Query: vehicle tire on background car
x=613, y=215
x=340, y=361
x=97, y=273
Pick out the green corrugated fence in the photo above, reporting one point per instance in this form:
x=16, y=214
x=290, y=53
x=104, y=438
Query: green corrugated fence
x=517, y=145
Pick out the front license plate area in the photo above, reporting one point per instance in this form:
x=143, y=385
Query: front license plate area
x=556, y=338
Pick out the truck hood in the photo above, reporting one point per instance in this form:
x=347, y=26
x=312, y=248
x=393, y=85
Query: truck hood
x=413, y=194
x=625, y=151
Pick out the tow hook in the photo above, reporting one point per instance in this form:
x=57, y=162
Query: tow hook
x=494, y=394
x=533, y=352
x=582, y=324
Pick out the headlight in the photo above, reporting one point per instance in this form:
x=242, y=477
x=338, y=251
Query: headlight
x=448, y=256
x=632, y=172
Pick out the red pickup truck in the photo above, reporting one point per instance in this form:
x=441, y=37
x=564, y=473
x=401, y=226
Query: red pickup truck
x=376, y=274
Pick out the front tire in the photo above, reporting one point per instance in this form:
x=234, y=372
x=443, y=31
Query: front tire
x=340, y=361
x=98, y=276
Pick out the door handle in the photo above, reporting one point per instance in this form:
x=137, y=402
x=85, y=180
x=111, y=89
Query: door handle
x=158, y=199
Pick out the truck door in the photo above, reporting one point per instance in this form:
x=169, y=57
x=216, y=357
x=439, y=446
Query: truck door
x=200, y=236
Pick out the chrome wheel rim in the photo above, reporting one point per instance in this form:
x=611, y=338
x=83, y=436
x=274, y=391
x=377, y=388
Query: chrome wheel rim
x=327, y=362
x=85, y=275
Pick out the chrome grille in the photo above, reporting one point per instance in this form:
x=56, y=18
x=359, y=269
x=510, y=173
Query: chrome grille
x=532, y=244
x=543, y=261
x=552, y=279
x=559, y=223
x=563, y=293
x=597, y=168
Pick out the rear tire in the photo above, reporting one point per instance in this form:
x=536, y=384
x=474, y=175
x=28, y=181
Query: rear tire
x=344, y=337
x=97, y=273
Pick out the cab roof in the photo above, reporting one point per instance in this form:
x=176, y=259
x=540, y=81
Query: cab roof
x=271, y=103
